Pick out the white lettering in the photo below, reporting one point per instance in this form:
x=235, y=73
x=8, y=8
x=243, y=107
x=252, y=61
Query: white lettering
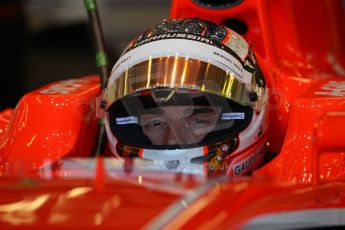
x=126, y=120
x=332, y=88
x=232, y=116
x=64, y=87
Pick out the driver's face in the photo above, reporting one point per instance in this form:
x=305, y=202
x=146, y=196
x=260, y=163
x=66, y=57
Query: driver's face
x=178, y=125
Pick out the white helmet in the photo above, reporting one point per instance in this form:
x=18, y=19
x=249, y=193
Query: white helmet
x=188, y=96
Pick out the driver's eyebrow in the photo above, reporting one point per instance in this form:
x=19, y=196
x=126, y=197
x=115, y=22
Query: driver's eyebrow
x=195, y=111
x=154, y=111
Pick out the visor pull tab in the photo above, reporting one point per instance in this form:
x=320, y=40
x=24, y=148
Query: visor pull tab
x=225, y=148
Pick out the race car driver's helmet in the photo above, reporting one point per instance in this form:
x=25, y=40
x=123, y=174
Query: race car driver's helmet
x=188, y=96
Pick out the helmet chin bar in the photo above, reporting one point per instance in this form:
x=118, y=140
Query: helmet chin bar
x=213, y=158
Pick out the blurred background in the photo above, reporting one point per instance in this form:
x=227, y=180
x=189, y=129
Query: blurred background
x=42, y=41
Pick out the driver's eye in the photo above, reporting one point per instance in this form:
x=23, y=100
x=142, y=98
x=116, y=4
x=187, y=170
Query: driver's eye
x=156, y=124
x=198, y=121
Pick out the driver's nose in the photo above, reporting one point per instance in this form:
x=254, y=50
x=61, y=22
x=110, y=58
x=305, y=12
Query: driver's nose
x=172, y=137
x=179, y=134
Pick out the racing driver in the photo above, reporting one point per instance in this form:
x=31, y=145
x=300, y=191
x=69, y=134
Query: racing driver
x=188, y=96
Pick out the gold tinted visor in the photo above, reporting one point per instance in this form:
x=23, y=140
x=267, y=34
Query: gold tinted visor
x=181, y=73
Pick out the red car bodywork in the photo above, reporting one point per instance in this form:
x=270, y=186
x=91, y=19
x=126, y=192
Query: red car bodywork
x=300, y=47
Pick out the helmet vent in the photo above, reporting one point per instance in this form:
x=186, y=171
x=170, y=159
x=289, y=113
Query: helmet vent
x=217, y=4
